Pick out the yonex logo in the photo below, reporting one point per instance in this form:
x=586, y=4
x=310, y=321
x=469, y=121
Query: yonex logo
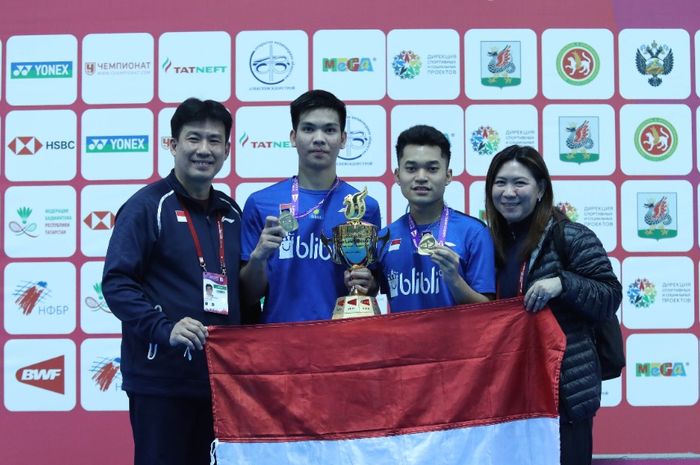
x=41, y=70
x=116, y=144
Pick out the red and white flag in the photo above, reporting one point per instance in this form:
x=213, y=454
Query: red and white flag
x=472, y=384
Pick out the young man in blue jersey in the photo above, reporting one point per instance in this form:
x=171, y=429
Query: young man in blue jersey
x=282, y=224
x=435, y=256
x=171, y=270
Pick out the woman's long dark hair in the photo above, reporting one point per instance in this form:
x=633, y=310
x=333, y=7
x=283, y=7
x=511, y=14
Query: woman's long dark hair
x=500, y=231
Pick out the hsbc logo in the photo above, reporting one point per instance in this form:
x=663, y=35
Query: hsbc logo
x=48, y=375
x=25, y=145
x=99, y=220
x=30, y=145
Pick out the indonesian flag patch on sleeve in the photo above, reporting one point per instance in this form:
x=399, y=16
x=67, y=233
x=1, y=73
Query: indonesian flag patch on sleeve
x=395, y=244
x=181, y=218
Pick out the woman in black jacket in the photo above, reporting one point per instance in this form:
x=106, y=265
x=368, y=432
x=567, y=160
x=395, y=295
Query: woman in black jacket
x=581, y=288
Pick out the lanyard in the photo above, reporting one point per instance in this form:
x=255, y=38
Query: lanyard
x=295, y=197
x=442, y=234
x=195, y=238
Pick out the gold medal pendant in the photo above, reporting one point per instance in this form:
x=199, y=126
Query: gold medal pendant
x=427, y=244
x=287, y=221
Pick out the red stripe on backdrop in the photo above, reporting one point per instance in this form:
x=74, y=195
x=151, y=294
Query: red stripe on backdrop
x=401, y=373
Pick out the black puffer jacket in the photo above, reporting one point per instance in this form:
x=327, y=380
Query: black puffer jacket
x=590, y=293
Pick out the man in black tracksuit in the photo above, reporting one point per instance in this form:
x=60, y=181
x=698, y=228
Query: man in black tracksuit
x=172, y=240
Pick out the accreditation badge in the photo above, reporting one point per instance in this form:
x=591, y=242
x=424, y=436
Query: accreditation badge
x=215, y=292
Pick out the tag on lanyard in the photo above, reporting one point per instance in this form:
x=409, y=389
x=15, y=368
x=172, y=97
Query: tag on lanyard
x=215, y=293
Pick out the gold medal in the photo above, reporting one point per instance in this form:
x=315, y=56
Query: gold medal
x=427, y=244
x=287, y=221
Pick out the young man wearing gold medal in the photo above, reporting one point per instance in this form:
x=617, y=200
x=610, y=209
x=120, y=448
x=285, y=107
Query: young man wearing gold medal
x=282, y=224
x=435, y=256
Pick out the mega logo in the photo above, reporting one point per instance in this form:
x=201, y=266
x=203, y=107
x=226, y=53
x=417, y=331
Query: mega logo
x=116, y=144
x=313, y=249
x=407, y=64
x=359, y=139
x=656, y=139
x=100, y=220
x=264, y=144
x=167, y=66
x=485, y=140
x=41, y=70
x=656, y=369
x=417, y=283
x=578, y=139
x=347, y=64
x=641, y=293
x=578, y=63
x=49, y=375
x=271, y=62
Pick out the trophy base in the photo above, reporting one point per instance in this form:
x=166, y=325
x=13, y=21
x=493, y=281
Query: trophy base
x=354, y=306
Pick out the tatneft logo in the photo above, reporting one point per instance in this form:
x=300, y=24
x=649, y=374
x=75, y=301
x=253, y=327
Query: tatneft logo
x=417, y=283
x=347, y=64
x=271, y=62
x=99, y=220
x=312, y=249
x=117, y=67
x=656, y=369
x=168, y=66
x=29, y=145
x=116, y=144
x=264, y=144
x=41, y=69
x=48, y=375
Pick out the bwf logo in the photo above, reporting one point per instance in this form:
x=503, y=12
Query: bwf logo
x=48, y=375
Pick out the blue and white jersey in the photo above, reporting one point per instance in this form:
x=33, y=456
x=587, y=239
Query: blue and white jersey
x=303, y=281
x=414, y=282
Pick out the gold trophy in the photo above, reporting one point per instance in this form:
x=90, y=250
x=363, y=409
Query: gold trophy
x=354, y=244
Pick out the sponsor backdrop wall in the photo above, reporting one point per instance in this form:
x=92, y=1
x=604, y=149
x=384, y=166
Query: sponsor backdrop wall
x=607, y=90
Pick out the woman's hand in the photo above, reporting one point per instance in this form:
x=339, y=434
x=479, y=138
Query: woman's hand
x=541, y=292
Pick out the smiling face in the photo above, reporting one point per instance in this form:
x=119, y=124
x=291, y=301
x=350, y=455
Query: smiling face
x=423, y=175
x=199, y=151
x=515, y=191
x=318, y=139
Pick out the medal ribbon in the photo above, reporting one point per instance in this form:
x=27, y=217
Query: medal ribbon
x=442, y=233
x=295, y=197
x=195, y=238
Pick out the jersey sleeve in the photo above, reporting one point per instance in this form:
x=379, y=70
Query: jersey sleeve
x=126, y=262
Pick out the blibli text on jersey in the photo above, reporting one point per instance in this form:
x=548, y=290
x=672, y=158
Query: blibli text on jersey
x=312, y=248
x=418, y=282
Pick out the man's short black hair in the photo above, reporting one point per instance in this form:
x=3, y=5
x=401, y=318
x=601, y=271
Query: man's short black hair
x=423, y=134
x=195, y=110
x=314, y=99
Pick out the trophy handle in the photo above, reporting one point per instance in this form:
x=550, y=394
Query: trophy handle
x=327, y=243
x=384, y=239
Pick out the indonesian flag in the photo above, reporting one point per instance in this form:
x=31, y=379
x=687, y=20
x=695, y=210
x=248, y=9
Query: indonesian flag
x=472, y=384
